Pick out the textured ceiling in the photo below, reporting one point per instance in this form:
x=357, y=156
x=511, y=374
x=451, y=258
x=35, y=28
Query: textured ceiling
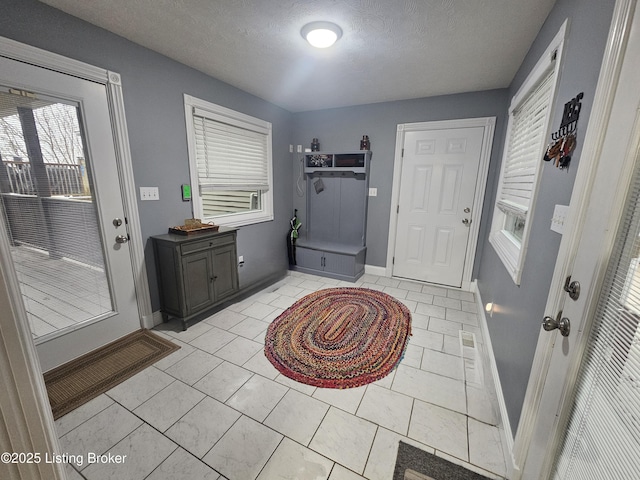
x=390, y=49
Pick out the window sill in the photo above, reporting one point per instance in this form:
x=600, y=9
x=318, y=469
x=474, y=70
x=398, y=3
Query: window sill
x=240, y=220
x=509, y=252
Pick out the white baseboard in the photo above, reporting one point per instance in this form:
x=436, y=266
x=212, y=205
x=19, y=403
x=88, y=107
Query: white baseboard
x=507, y=436
x=375, y=270
x=157, y=318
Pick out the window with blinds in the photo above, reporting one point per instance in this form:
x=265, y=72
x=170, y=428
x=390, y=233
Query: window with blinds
x=602, y=440
x=529, y=117
x=525, y=144
x=230, y=158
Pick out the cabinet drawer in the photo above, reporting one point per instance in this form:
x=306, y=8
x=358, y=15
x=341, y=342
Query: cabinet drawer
x=206, y=244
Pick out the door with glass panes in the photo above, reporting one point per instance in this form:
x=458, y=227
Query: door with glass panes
x=587, y=424
x=62, y=211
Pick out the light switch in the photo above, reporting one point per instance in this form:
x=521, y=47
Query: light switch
x=149, y=193
x=559, y=216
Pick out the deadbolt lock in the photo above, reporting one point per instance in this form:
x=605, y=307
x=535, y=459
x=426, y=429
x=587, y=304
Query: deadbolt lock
x=572, y=288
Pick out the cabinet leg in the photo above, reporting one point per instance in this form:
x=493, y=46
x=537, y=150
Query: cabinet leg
x=184, y=325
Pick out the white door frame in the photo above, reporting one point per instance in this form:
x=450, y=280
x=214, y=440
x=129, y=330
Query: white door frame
x=35, y=56
x=534, y=415
x=489, y=124
x=28, y=422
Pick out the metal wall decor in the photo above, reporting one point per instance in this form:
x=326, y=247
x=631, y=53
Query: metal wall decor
x=564, y=139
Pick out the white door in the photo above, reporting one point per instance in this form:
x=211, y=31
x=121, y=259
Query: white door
x=436, y=201
x=63, y=212
x=582, y=409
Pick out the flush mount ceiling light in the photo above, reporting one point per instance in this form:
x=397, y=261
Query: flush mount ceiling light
x=321, y=34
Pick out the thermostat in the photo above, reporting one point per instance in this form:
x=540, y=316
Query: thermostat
x=186, y=193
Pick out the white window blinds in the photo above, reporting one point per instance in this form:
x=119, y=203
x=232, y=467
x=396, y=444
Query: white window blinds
x=230, y=157
x=602, y=440
x=526, y=140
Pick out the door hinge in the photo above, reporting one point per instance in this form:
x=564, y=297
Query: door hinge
x=398, y=209
x=402, y=154
x=22, y=93
x=393, y=261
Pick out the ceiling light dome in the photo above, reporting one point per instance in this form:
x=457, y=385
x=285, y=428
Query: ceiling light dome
x=321, y=34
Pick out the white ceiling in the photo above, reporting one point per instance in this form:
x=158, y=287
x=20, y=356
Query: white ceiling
x=390, y=49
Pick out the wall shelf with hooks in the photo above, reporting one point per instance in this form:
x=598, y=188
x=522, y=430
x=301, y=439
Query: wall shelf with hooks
x=332, y=242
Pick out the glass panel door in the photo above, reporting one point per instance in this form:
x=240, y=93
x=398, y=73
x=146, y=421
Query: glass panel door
x=63, y=212
x=50, y=214
x=602, y=440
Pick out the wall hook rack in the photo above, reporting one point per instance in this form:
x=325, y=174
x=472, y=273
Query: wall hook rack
x=570, y=117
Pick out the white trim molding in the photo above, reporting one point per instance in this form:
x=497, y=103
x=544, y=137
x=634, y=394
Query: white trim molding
x=489, y=124
x=129, y=198
x=42, y=58
x=505, y=425
x=375, y=270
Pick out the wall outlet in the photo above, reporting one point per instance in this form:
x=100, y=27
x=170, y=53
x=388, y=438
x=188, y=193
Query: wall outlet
x=373, y=192
x=290, y=148
x=149, y=193
x=299, y=148
x=240, y=260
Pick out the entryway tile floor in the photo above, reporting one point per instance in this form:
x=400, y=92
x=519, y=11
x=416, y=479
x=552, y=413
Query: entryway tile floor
x=218, y=409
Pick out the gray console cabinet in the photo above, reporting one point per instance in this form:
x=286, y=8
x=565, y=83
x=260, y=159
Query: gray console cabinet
x=195, y=273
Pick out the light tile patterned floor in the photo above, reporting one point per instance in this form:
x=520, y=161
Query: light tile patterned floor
x=218, y=409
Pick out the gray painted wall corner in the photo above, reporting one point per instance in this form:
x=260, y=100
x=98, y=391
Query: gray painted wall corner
x=518, y=310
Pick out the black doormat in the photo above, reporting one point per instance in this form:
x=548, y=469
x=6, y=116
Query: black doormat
x=425, y=466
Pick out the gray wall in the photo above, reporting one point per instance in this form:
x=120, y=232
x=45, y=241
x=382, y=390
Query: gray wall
x=341, y=129
x=153, y=96
x=153, y=88
x=515, y=324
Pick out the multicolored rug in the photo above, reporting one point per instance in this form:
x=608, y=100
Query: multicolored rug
x=339, y=337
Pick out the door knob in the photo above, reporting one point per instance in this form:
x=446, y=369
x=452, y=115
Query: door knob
x=466, y=222
x=117, y=222
x=562, y=324
x=122, y=239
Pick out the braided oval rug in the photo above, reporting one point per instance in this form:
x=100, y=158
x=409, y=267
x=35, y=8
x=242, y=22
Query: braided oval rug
x=339, y=337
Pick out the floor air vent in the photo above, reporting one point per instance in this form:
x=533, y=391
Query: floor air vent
x=468, y=339
x=471, y=358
